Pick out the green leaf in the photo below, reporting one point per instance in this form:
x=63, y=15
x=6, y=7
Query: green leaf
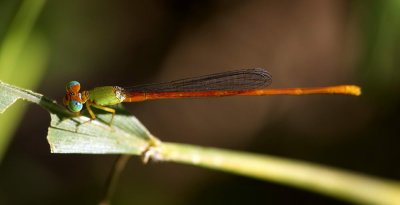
x=9, y=94
x=7, y=99
x=80, y=135
x=69, y=134
x=76, y=134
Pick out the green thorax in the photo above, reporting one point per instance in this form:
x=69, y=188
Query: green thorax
x=107, y=95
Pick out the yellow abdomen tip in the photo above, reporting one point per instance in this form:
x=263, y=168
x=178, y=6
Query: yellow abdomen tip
x=353, y=90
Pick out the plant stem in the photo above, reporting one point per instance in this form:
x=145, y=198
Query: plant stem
x=326, y=180
x=350, y=186
x=113, y=178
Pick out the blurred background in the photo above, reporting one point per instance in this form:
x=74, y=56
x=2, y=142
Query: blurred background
x=45, y=44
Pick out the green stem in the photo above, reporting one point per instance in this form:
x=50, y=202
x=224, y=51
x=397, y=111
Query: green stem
x=130, y=137
x=326, y=180
x=112, y=181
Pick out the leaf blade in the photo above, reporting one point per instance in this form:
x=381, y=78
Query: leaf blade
x=68, y=134
x=78, y=135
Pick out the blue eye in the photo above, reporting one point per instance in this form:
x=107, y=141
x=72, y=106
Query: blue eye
x=75, y=106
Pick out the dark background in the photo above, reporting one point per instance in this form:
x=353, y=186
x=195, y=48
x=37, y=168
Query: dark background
x=301, y=43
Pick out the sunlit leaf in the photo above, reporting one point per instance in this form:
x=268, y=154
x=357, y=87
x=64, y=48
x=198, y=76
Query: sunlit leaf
x=126, y=135
x=80, y=135
x=10, y=94
x=68, y=134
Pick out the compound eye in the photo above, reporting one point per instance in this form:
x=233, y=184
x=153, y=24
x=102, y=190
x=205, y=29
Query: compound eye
x=73, y=86
x=75, y=106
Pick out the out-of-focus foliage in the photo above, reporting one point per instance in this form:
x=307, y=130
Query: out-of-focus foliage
x=302, y=43
x=23, y=57
x=380, y=23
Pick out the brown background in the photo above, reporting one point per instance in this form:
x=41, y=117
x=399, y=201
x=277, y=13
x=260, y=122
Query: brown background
x=301, y=43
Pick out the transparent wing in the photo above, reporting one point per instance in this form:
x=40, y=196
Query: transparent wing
x=245, y=79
